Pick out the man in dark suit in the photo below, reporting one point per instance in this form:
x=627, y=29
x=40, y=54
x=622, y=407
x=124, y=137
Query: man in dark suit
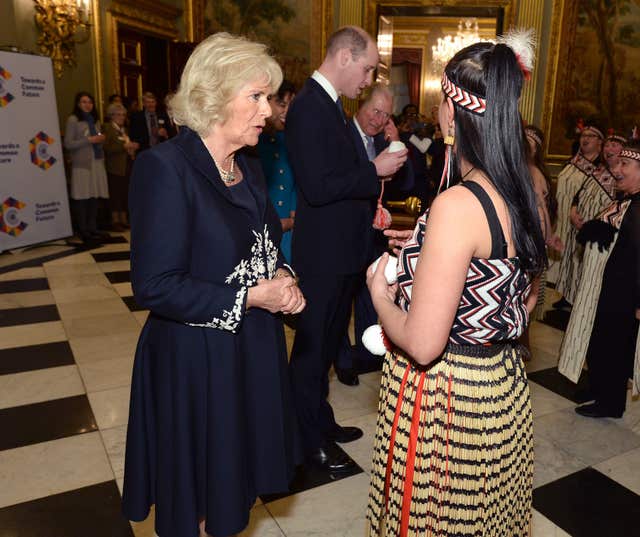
x=150, y=126
x=372, y=129
x=332, y=242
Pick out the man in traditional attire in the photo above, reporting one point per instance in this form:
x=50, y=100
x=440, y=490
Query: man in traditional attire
x=570, y=180
x=603, y=328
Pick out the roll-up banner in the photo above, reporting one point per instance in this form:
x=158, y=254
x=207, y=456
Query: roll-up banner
x=34, y=206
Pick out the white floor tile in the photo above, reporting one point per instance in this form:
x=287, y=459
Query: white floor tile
x=42, y=385
x=588, y=439
x=333, y=510
x=110, y=407
x=31, y=334
x=106, y=374
x=40, y=470
x=625, y=469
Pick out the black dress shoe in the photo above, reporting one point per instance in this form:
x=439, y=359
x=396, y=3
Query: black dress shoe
x=595, y=410
x=332, y=459
x=345, y=434
x=348, y=377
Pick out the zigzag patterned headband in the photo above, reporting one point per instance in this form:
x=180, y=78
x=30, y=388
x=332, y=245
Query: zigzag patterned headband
x=616, y=138
x=630, y=153
x=594, y=130
x=462, y=97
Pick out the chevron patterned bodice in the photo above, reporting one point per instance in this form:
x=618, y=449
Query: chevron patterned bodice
x=492, y=307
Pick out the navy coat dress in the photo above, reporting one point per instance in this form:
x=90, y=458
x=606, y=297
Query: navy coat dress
x=211, y=425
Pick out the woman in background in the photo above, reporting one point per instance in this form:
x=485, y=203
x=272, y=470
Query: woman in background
x=547, y=211
x=275, y=163
x=83, y=140
x=119, y=152
x=603, y=327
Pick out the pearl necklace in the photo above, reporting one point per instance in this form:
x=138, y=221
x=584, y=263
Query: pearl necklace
x=227, y=177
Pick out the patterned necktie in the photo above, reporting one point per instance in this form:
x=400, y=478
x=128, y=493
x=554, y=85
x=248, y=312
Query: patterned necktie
x=341, y=110
x=371, y=150
x=153, y=129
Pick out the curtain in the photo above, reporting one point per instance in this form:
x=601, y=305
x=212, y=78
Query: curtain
x=411, y=58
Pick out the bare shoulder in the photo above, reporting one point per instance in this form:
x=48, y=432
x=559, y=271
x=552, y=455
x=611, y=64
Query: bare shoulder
x=458, y=202
x=454, y=214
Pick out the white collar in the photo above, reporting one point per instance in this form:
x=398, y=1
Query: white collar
x=362, y=133
x=326, y=85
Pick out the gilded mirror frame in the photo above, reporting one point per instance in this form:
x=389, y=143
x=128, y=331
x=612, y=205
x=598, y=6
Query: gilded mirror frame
x=371, y=8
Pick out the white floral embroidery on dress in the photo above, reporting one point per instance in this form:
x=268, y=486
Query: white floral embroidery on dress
x=262, y=264
x=249, y=271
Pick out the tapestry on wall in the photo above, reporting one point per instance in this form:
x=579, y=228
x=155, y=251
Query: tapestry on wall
x=597, y=79
x=284, y=25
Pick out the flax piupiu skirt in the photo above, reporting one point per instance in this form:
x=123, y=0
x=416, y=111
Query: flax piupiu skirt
x=453, y=453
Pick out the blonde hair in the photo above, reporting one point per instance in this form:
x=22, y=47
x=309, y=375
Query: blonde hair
x=115, y=107
x=216, y=70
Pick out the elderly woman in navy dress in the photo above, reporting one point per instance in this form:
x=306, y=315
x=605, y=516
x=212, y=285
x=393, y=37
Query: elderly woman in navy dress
x=210, y=424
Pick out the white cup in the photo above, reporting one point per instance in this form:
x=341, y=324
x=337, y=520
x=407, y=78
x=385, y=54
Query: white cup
x=396, y=146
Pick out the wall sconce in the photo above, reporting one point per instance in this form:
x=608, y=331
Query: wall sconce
x=62, y=24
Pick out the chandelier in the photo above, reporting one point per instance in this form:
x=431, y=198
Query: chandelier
x=62, y=25
x=447, y=46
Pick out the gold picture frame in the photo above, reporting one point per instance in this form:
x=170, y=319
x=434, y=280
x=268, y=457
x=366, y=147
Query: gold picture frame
x=576, y=55
x=371, y=8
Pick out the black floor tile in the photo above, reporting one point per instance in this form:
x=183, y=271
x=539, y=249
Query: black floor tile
x=589, y=504
x=90, y=511
x=113, y=239
x=41, y=422
x=557, y=318
x=131, y=304
x=38, y=261
x=21, y=286
x=119, y=276
x=21, y=359
x=111, y=256
x=557, y=383
x=34, y=314
x=309, y=477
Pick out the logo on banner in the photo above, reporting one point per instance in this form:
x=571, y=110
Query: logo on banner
x=10, y=222
x=5, y=96
x=39, y=147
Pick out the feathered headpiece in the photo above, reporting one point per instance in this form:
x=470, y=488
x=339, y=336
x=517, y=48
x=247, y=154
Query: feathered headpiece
x=523, y=43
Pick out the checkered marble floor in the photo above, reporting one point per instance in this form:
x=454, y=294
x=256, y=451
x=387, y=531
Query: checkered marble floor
x=68, y=330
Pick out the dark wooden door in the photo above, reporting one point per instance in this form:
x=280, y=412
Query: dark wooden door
x=178, y=55
x=144, y=65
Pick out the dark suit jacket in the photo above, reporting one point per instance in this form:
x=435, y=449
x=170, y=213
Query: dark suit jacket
x=138, y=131
x=336, y=187
x=398, y=188
x=402, y=184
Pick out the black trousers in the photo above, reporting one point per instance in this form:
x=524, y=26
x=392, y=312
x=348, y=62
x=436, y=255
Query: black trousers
x=85, y=214
x=320, y=332
x=610, y=358
x=364, y=314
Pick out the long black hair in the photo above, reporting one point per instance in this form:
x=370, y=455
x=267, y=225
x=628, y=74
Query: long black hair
x=536, y=158
x=77, y=111
x=494, y=142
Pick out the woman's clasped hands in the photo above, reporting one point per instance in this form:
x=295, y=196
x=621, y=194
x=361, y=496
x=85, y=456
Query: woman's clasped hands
x=280, y=294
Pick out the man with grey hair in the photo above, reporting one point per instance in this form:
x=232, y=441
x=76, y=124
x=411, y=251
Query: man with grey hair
x=332, y=243
x=150, y=126
x=372, y=129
